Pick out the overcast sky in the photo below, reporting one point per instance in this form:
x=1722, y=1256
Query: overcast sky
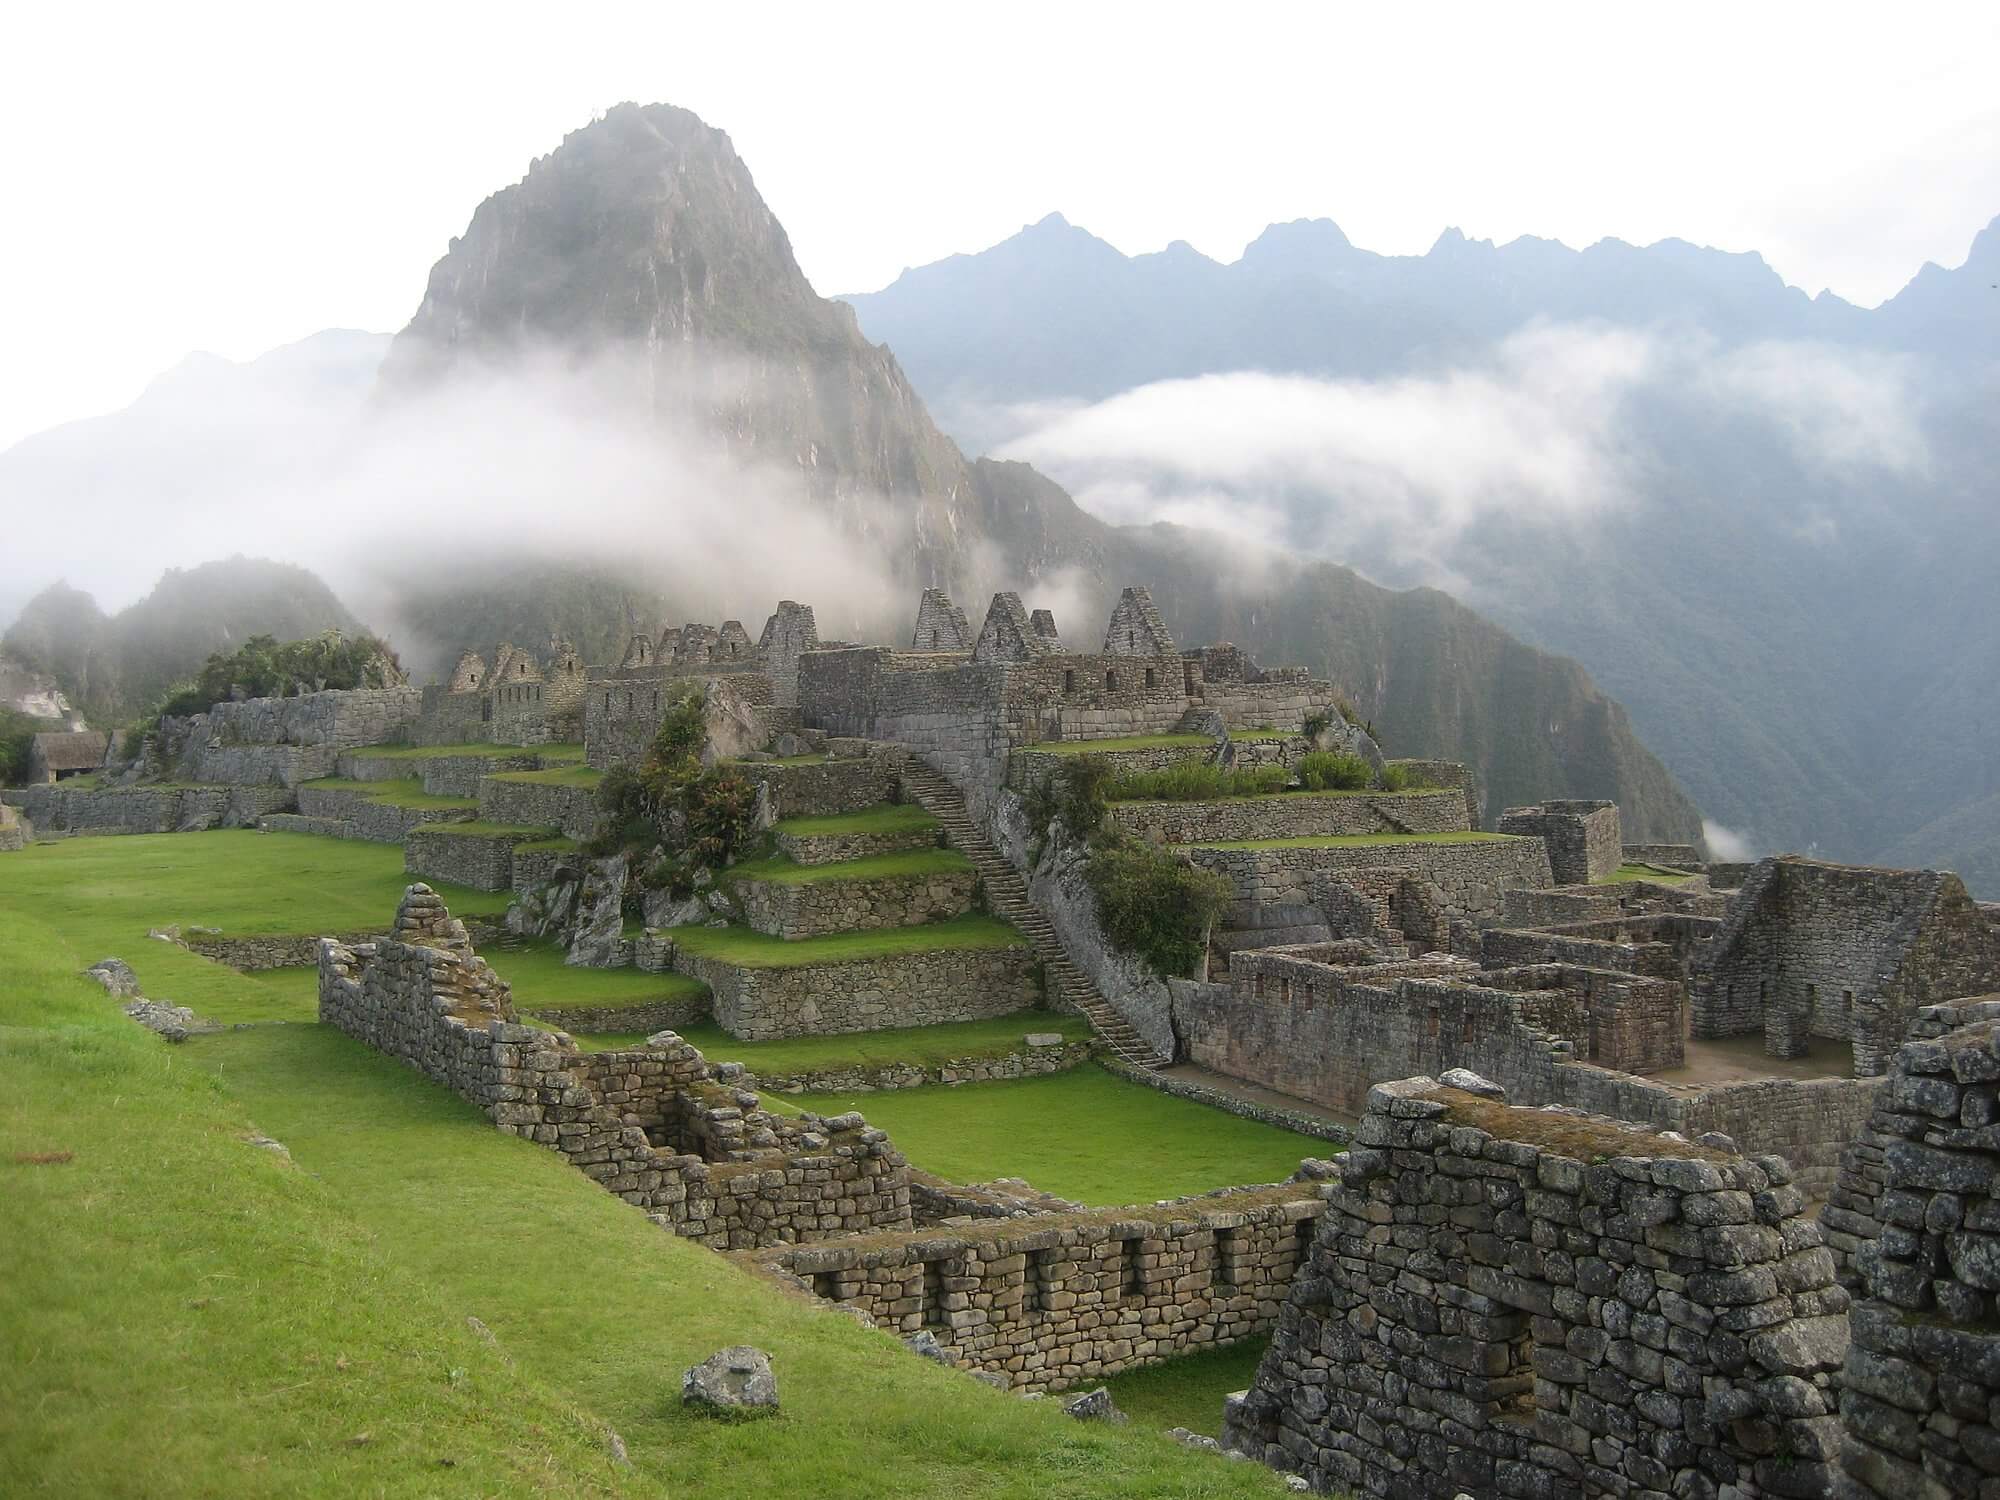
x=231, y=178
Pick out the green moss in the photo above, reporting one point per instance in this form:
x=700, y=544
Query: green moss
x=889, y=817
x=753, y=950
x=1357, y=840
x=908, y=864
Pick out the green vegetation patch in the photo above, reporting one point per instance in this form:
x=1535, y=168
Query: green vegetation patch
x=908, y=864
x=541, y=980
x=578, y=775
x=1656, y=873
x=889, y=817
x=1359, y=841
x=1105, y=747
x=1188, y=1391
x=548, y=846
x=402, y=792
x=753, y=950
x=1084, y=1134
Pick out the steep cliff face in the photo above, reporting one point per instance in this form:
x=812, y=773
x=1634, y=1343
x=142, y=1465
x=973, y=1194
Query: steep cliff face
x=642, y=238
x=642, y=241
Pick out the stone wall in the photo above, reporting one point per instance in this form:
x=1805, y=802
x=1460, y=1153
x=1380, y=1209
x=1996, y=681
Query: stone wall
x=1469, y=876
x=803, y=909
x=1054, y=1300
x=283, y=741
x=870, y=994
x=1672, y=856
x=1028, y=767
x=257, y=953
x=1841, y=951
x=1504, y=1303
x=1558, y=906
x=821, y=788
x=1584, y=841
x=571, y=810
x=484, y=862
x=1283, y=705
x=1029, y=1062
x=361, y=817
x=16, y=831
x=448, y=718
x=1449, y=773
x=438, y=775
x=1922, y=1379
x=836, y=848
x=1293, y=815
x=655, y=1125
x=1662, y=945
x=147, y=809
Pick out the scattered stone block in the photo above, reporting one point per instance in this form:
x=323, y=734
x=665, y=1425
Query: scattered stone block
x=732, y=1382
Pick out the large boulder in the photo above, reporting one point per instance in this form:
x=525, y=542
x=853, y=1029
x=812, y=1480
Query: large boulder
x=116, y=976
x=732, y=1382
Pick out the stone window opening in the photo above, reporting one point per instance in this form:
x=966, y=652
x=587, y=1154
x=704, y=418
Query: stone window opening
x=934, y=1314
x=607, y=703
x=1187, y=678
x=1069, y=683
x=1111, y=682
x=628, y=703
x=826, y=1286
x=1152, y=678
x=521, y=669
x=1227, y=1270
x=1302, y=1243
x=1131, y=640
x=1134, y=1277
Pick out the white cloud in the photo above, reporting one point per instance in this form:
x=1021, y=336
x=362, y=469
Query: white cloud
x=1726, y=844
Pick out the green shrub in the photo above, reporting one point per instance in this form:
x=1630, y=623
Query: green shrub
x=1198, y=781
x=1332, y=771
x=1075, y=794
x=1315, y=725
x=1155, y=905
x=264, y=667
x=17, y=737
x=1404, y=779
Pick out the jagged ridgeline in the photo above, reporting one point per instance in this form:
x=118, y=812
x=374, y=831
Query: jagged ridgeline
x=644, y=232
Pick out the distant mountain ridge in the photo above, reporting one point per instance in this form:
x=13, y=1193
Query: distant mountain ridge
x=1786, y=585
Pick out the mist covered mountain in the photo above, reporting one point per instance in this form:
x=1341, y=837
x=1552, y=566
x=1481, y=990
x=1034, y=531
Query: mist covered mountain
x=621, y=394
x=1764, y=521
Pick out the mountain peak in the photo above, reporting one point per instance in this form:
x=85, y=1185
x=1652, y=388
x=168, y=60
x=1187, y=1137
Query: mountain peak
x=1300, y=244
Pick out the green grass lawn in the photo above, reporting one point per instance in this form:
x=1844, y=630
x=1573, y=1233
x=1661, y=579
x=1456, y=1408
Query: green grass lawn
x=1185, y=1392
x=577, y=775
x=1356, y=840
x=539, y=978
x=889, y=817
x=753, y=950
x=404, y=791
x=907, y=864
x=185, y=1314
x=1084, y=1134
x=432, y=752
x=1645, y=872
x=1101, y=747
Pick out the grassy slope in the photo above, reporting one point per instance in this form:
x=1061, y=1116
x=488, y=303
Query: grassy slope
x=577, y=775
x=739, y=945
x=1082, y=1134
x=890, y=817
x=185, y=1314
x=539, y=977
x=906, y=865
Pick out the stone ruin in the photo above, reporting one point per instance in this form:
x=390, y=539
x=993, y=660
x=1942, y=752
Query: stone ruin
x=523, y=700
x=1512, y=1302
x=654, y=1124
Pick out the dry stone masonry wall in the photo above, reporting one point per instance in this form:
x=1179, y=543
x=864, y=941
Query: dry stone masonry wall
x=1293, y=815
x=795, y=909
x=869, y=994
x=1503, y=1302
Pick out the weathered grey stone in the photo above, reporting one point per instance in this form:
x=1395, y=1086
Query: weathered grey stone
x=735, y=1382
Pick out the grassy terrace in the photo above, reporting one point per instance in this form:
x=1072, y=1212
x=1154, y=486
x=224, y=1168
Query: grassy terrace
x=187, y=1315
x=909, y=864
x=890, y=817
x=1186, y=1392
x=1084, y=1134
x=540, y=979
x=431, y=752
x=920, y=1045
x=1358, y=840
x=1653, y=873
x=1293, y=792
x=753, y=950
x=540, y=837
x=577, y=775
x=404, y=791
x=1102, y=747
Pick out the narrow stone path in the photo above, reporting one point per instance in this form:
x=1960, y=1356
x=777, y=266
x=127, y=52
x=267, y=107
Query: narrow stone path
x=1007, y=896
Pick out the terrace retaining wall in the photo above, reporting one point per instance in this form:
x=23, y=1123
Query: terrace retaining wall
x=871, y=994
x=1293, y=815
x=813, y=908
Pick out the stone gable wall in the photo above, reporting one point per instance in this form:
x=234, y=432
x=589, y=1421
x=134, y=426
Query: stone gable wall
x=1059, y=1299
x=794, y=910
x=1606, y=1314
x=1585, y=844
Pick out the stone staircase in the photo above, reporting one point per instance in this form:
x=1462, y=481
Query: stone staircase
x=1007, y=898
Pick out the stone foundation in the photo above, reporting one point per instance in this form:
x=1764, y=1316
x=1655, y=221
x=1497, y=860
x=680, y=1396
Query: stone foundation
x=837, y=848
x=485, y=862
x=570, y=810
